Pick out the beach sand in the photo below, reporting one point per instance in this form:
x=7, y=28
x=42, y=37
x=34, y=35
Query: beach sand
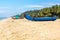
x=23, y=29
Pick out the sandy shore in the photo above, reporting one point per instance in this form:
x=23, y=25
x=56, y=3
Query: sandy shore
x=23, y=29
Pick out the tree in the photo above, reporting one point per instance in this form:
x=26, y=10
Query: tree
x=48, y=11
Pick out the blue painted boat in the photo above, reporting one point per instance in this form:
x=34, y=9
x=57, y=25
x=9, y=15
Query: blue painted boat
x=27, y=16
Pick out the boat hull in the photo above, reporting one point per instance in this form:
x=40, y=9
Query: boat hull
x=41, y=18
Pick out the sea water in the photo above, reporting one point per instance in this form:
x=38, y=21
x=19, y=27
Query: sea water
x=1, y=18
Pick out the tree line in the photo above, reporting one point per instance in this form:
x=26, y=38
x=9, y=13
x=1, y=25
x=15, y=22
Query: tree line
x=45, y=12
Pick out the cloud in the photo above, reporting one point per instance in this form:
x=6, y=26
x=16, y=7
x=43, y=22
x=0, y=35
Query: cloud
x=5, y=11
x=50, y=3
x=30, y=7
x=55, y=3
x=34, y=6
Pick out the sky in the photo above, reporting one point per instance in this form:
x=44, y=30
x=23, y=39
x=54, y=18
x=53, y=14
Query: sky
x=12, y=7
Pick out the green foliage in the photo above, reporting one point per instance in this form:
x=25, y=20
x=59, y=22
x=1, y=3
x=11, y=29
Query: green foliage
x=49, y=11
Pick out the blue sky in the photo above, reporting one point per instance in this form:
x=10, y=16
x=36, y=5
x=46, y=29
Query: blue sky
x=13, y=7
